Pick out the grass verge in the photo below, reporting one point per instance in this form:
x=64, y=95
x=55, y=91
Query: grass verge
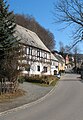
x=53, y=83
x=8, y=96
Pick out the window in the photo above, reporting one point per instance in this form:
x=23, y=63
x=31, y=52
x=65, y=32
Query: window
x=38, y=68
x=38, y=53
x=45, y=69
x=56, y=66
x=26, y=50
x=42, y=54
x=27, y=68
x=30, y=51
x=45, y=55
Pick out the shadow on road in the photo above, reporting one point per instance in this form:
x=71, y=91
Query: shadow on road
x=72, y=76
x=70, y=72
x=70, y=80
x=81, y=80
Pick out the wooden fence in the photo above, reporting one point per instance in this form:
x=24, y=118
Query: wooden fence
x=8, y=87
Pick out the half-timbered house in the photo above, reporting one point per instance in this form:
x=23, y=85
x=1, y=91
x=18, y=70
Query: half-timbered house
x=37, y=57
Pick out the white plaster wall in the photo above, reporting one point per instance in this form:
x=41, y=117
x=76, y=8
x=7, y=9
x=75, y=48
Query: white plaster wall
x=52, y=70
x=33, y=69
x=53, y=67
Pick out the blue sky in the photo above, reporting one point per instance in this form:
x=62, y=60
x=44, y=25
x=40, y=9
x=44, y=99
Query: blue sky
x=42, y=10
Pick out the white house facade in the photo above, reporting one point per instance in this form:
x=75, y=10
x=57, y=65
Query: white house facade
x=54, y=65
x=37, y=58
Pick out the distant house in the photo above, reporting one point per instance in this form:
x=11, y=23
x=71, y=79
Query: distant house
x=69, y=59
x=61, y=61
x=37, y=57
x=66, y=59
x=54, y=65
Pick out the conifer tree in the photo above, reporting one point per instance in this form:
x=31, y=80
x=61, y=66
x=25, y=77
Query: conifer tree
x=7, y=28
x=8, y=44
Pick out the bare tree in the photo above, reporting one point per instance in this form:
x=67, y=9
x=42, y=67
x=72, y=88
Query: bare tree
x=76, y=51
x=67, y=49
x=62, y=48
x=71, y=13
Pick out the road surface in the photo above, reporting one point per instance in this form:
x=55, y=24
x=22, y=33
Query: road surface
x=64, y=103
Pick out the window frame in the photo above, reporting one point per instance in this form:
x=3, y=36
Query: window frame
x=38, y=68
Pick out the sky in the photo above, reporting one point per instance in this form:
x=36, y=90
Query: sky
x=42, y=10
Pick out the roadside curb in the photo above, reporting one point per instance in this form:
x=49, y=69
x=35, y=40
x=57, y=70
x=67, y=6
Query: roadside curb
x=29, y=104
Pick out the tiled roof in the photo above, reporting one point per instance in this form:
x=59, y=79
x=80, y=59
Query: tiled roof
x=60, y=58
x=53, y=57
x=29, y=38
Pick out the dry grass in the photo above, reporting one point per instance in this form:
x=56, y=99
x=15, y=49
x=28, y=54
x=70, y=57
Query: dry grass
x=8, y=96
x=44, y=79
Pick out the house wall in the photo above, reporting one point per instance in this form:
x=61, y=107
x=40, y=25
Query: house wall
x=54, y=67
x=67, y=60
x=34, y=69
x=37, y=59
x=61, y=66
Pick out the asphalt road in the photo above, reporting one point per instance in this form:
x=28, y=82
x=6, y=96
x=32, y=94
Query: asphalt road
x=64, y=103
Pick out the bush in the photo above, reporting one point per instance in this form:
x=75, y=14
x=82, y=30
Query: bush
x=41, y=79
x=34, y=79
x=21, y=79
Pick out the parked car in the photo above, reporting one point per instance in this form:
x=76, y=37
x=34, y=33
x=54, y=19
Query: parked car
x=58, y=75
